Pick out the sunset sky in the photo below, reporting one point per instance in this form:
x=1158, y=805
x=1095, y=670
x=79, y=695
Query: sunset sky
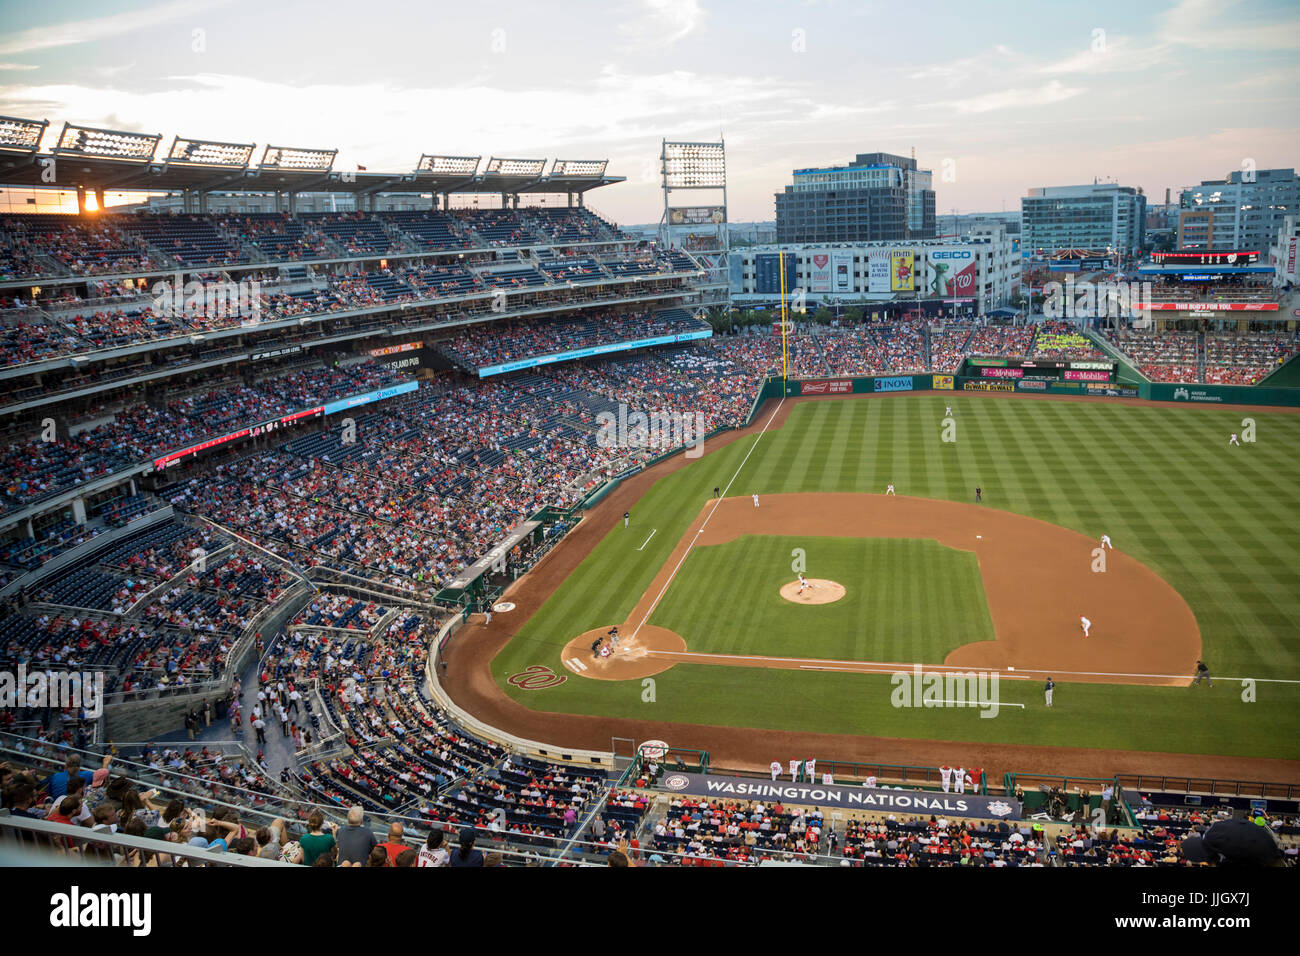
x=1012, y=95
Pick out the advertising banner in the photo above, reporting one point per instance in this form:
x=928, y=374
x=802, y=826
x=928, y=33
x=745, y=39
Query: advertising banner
x=902, y=270
x=897, y=383
x=819, y=272
x=1032, y=385
x=1078, y=375
x=878, y=271
x=837, y=795
x=842, y=276
x=950, y=272
x=989, y=386
x=593, y=350
x=1207, y=306
x=1002, y=372
x=826, y=386
x=942, y=382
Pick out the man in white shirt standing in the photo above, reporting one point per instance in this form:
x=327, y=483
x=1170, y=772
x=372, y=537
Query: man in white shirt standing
x=959, y=780
x=946, y=773
x=776, y=769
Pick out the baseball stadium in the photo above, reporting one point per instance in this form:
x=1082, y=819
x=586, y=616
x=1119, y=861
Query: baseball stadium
x=430, y=517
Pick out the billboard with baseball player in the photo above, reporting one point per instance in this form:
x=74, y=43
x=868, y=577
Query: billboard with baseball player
x=902, y=270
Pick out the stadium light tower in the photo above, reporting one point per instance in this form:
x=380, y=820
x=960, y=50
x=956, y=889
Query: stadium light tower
x=700, y=229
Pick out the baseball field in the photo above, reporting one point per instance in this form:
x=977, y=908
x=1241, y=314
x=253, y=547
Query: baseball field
x=1205, y=565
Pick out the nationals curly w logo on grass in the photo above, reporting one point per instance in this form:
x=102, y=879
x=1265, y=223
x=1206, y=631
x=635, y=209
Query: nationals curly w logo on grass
x=537, y=677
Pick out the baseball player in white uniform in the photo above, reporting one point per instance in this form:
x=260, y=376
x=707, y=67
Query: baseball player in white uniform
x=889, y=490
x=755, y=501
x=946, y=773
x=776, y=769
x=1105, y=542
x=827, y=779
x=870, y=781
x=803, y=584
x=959, y=780
x=809, y=767
x=1233, y=440
x=1085, y=624
x=794, y=771
x=947, y=412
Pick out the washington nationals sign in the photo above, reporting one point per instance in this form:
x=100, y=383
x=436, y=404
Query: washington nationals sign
x=867, y=798
x=537, y=677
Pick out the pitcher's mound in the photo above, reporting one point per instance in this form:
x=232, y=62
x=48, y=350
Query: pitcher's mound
x=632, y=659
x=821, y=592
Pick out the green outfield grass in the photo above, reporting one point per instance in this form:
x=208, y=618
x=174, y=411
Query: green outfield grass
x=1218, y=523
x=907, y=599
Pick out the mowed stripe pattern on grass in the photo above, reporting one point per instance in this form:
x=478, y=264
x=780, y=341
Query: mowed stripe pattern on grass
x=906, y=600
x=1216, y=522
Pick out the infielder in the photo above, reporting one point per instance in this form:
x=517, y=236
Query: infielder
x=1047, y=690
x=1105, y=542
x=890, y=490
x=627, y=516
x=1085, y=624
x=1202, y=673
x=755, y=501
x=1233, y=440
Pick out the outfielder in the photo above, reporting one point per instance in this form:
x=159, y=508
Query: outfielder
x=755, y=501
x=627, y=516
x=1085, y=624
x=947, y=412
x=1105, y=542
x=1233, y=440
x=890, y=490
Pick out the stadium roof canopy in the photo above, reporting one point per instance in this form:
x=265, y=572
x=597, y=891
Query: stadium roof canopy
x=112, y=160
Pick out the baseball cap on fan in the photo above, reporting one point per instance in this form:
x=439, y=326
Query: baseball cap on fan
x=1233, y=842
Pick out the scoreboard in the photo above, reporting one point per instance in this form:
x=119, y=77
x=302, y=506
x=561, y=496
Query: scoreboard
x=1045, y=370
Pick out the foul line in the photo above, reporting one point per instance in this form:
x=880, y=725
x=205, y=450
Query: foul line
x=757, y=439
x=1011, y=673
x=647, y=540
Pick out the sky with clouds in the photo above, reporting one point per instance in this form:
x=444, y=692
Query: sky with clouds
x=995, y=96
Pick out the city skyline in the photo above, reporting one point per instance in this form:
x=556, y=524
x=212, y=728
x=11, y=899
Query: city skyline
x=1161, y=97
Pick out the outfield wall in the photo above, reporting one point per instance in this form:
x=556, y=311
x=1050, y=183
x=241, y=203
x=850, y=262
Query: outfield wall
x=1153, y=391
